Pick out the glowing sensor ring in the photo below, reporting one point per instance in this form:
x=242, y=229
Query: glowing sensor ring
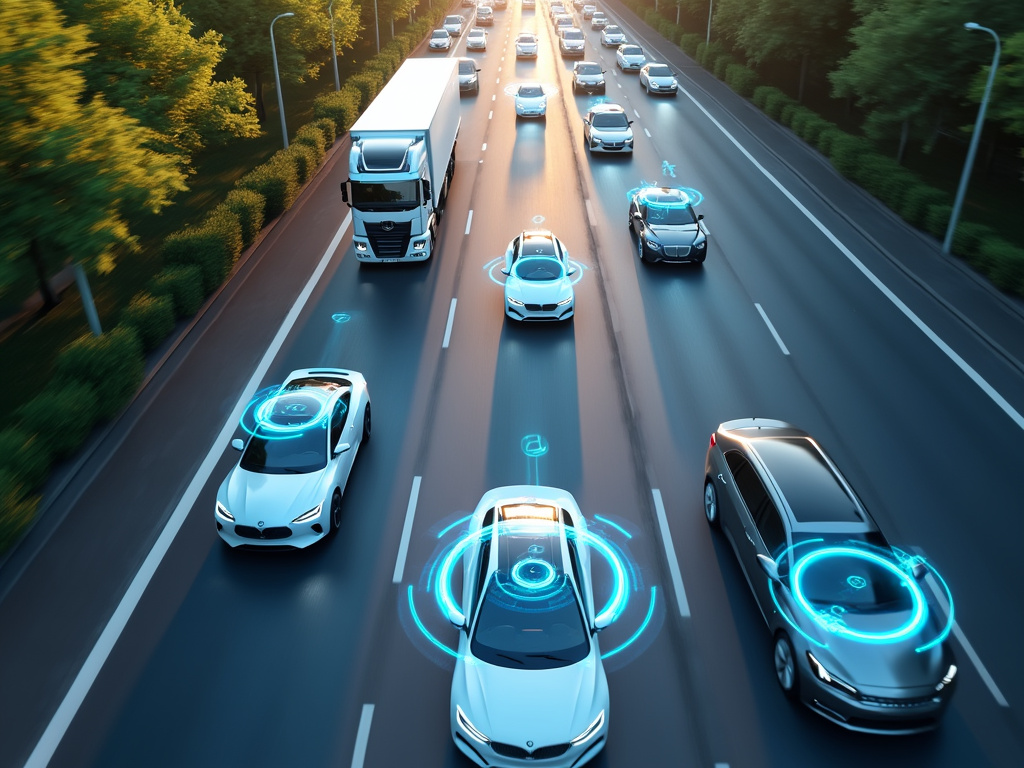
x=533, y=573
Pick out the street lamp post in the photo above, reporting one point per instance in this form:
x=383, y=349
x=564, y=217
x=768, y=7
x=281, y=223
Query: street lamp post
x=334, y=48
x=975, y=139
x=376, y=24
x=277, y=77
x=711, y=7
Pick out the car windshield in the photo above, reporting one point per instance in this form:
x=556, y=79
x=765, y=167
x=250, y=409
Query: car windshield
x=572, y=34
x=610, y=120
x=530, y=629
x=467, y=68
x=659, y=71
x=526, y=39
x=589, y=69
x=539, y=270
x=291, y=437
x=632, y=50
x=611, y=29
x=453, y=20
x=530, y=91
x=385, y=195
x=672, y=214
x=439, y=34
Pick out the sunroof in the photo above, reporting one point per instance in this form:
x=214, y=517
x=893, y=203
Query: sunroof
x=809, y=485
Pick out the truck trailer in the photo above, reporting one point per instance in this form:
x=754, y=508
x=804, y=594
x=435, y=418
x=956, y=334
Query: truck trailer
x=402, y=162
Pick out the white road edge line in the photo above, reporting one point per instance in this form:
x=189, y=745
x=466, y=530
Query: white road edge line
x=590, y=212
x=403, y=547
x=986, y=678
x=962, y=364
x=448, y=328
x=362, y=736
x=648, y=133
x=771, y=328
x=469, y=219
x=673, y=561
x=61, y=720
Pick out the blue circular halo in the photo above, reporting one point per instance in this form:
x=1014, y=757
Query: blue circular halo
x=533, y=573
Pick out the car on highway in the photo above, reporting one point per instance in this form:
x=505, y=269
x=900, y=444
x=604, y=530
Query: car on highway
x=612, y=36
x=500, y=5
x=588, y=11
x=453, y=24
x=571, y=42
x=526, y=45
x=538, y=284
x=529, y=686
x=485, y=16
x=630, y=57
x=531, y=101
x=563, y=20
x=855, y=635
x=598, y=20
x=476, y=39
x=666, y=227
x=440, y=40
x=529, y=4
x=285, y=491
x=469, y=79
x=468, y=3
x=555, y=9
x=658, y=78
x=588, y=77
x=606, y=128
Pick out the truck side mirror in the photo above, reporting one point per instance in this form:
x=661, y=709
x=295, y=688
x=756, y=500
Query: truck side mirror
x=344, y=191
x=426, y=192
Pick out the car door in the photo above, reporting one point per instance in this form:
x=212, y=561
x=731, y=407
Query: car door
x=342, y=431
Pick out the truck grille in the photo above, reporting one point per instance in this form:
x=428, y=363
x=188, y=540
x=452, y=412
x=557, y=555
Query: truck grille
x=389, y=244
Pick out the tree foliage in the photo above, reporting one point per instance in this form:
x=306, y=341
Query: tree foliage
x=73, y=169
x=1006, y=103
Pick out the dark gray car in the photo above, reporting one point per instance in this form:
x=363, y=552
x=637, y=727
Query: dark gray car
x=666, y=227
x=857, y=634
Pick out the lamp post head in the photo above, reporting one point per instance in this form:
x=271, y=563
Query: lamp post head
x=286, y=15
x=972, y=25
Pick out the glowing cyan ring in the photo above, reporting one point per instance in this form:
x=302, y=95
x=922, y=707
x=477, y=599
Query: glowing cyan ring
x=533, y=573
x=262, y=411
x=919, y=611
x=694, y=197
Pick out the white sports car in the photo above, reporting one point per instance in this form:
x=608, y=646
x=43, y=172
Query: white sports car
x=529, y=687
x=286, y=489
x=538, y=285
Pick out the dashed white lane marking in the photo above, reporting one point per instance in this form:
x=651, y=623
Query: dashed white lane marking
x=410, y=514
x=670, y=551
x=362, y=736
x=771, y=328
x=590, y=213
x=648, y=133
x=469, y=219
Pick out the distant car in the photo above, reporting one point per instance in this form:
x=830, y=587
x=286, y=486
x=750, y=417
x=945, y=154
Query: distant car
x=612, y=36
x=538, y=285
x=856, y=635
x=607, y=129
x=531, y=101
x=658, y=78
x=454, y=24
x=589, y=10
x=630, y=57
x=469, y=81
x=529, y=686
x=598, y=20
x=440, y=40
x=476, y=39
x=571, y=42
x=469, y=3
x=500, y=5
x=526, y=45
x=555, y=9
x=666, y=227
x=286, y=490
x=563, y=20
x=485, y=16
x=588, y=77
x=529, y=3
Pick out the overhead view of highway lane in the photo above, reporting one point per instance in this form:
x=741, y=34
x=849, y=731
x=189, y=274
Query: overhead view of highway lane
x=341, y=654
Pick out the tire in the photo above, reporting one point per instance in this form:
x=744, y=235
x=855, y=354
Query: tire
x=784, y=658
x=711, y=504
x=335, y=521
x=366, y=424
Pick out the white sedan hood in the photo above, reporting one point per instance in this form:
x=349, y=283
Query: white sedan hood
x=274, y=499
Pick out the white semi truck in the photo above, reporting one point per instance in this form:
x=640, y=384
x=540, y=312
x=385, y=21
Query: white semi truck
x=402, y=162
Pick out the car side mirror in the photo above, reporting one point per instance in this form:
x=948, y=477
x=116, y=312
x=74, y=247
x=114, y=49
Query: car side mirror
x=769, y=566
x=506, y=271
x=586, y=122
x=700, y=217
x=237, y=444
x=919, y=569
x=342, y=447
x=600, y=622
x=637, y=216
x=629, y=123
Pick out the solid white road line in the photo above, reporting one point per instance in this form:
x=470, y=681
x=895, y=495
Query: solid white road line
x=590, y=213
x=448, y=328
x=673, y=561
x=403, y=547
x=948, y=351
x=362, y=736
x=90, y=670
x=771, y=328
x=469, y=220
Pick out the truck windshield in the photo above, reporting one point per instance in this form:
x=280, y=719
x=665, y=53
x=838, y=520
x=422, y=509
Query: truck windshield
x=386, y=195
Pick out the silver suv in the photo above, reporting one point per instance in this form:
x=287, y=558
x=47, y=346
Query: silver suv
x=606, y=129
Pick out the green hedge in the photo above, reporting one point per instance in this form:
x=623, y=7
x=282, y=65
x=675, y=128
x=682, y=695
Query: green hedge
x=277, y=180
x=775, y=102
x=112, y=363
x=788, y=110
x=707, y=54
x=812, y=128
x=1004, y=264
x=248, y=206
x=761, y=94
x=936, y=219
x=328, y=129
x=799, y=116
x=368, y=82
x=884, y=178
x=313, y=137
x=213, y=246
x=25, y=456
x=61, y=416
x=968, y=237
x=741, y=79
x=341, y=107
x=847, y=152
x=151, y=316
x=16, y=509
x=303, y=157
x=689, y=43
x=917, y=200
x=183, y=285
x=826, y=138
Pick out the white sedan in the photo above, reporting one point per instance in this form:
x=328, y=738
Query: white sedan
x=476, y=40
x=538, y=283
x=529, y=685
x=658, y=78
x=630, y=57
x=531, y=101
x=286, y=490
x=440, y=40
x=612, y=36
x=526, y=45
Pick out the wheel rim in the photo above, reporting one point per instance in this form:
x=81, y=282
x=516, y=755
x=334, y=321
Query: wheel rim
x=710, y=507
x=785, y=669
x=336, y=511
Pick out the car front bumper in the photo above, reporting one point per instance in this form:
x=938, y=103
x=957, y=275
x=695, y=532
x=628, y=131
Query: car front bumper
x=680, y=254
x=291, y=536
x=486, y=754
x=540, y=312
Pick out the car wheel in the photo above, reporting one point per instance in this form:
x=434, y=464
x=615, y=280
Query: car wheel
x=335, y=511
x=711, y=504
x=785, y=665
x=366, y=424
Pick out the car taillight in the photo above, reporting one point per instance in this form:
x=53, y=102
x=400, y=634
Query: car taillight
x=712, y=440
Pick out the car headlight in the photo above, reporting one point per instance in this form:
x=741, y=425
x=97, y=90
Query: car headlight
x=469, y=728
x=517, y=302
x=222, y=512
x=593, y=728
x=825, y=676
x=654, y=245
x=700, y=244
x=564, y=301
x=361, y=247
x=312, y=514
x=950, y=674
